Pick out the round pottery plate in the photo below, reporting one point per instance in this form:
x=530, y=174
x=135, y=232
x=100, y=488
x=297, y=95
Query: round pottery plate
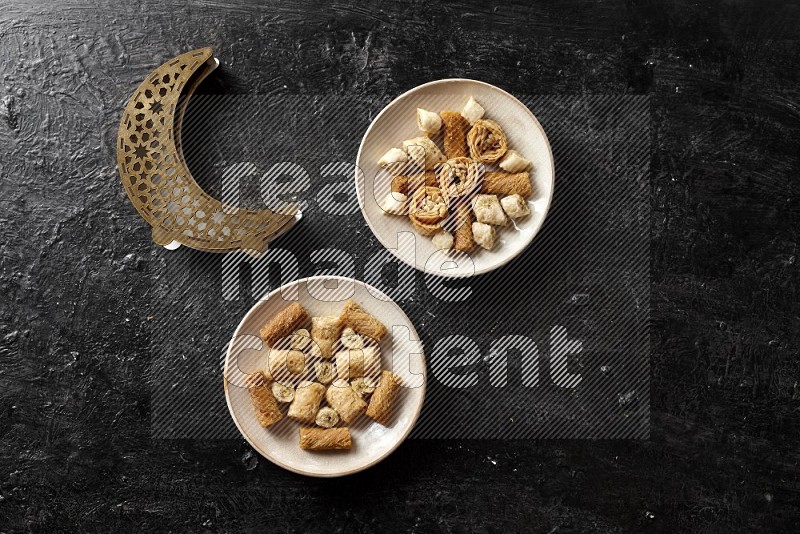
x=398, y=122
x=401, y=352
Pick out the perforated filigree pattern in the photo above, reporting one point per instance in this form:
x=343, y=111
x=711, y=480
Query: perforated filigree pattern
x=157, y=180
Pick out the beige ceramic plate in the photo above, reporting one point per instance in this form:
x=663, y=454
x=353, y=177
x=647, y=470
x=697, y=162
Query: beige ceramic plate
x=398, y=121
x=401, y=352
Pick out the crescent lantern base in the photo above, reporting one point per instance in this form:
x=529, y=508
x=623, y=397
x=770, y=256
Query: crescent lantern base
x=158, y=182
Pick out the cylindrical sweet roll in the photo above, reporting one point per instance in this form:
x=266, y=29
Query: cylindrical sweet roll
x=504, y=184
x=361, y=321
x=283, y=323
x=320, y=439
x=455, y=134
x=487, y=141
x=459, y=177
x=463, y=239
x=382, y=401
x=264, y=403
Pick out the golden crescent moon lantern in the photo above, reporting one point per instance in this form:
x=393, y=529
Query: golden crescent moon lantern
x=158, y=182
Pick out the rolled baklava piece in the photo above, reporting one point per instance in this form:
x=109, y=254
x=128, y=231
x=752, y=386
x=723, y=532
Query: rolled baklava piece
x=324, y=371
x=264, y=403
x=382, y=401
x=321, y=439
x=307, y=398
x=364, y=385
x=283, y=324
x=428, y=210
x=327, y=417
x=344, y=399
x=351, y=339
x=324, y=333
x=459, y=177
x=300, y=339
x=283, y=362
x=463, y=241
x=283, y=393
x=487, y=141
x=352, y=363
x=455, y=134
x=357, y=318
x=423, y=152
x=506, y=183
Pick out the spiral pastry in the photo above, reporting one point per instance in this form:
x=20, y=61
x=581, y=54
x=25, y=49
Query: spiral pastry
x=428, y=210
x=459, y=177
x=487, y=142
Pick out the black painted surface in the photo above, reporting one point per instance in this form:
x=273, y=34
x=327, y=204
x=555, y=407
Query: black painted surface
x=75, y=262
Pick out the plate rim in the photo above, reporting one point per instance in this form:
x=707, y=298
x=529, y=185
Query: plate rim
x=270, y=456
x=506, y=260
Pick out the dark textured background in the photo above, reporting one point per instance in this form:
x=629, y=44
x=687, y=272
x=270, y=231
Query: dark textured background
x=75, y=262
